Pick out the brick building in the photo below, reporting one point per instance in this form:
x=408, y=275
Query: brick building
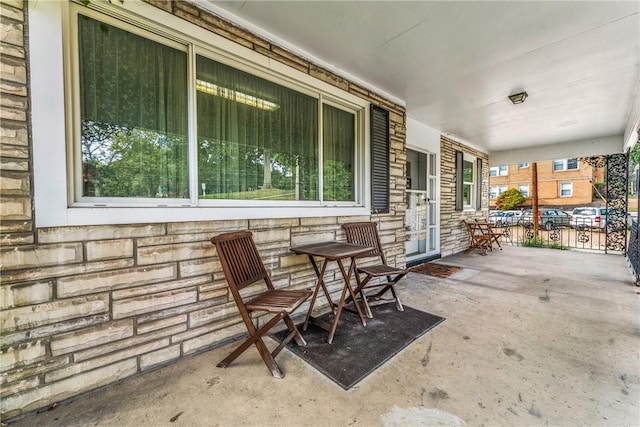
x=562, y=183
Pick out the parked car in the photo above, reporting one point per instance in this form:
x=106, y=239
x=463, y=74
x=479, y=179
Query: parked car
x=547, y=218
x=504, y=218
x=588, y=217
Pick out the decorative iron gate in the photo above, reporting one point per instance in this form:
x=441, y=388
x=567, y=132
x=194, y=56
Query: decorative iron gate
x=616, y=178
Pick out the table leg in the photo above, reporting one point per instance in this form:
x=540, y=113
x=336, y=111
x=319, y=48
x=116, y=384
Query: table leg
x=319, y=284
x=345, y=289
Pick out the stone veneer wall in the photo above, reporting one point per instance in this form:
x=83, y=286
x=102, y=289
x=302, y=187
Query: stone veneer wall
x=453, y=235
x=87, y=306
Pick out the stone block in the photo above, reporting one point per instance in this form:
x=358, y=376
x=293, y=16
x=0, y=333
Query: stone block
x=174, y=311
x=160, y=287
x=15, y=184
x=212, y=290
x=40, y=256
x=32, y=399
x=52, y=312
x=106, y=232
x=206, y=328
x=109, y=249
x=172, y=253
x=81, y=284
x=273, y=223
x=23, y=354
x=89, y=337
x=53, y=329
x=33, y=370
x=25, y=294
x=305, y=238
x=19, y=386
x=320, y=220
x=153, y=302
x=206, y=227
x=210, y=339
x=171, y=239
x=15, y=208
x=16, y=239
x=280, y=235
x=128, y=353
x=16, y=276
x=159, y=357
x=155, y=325
x=197, y=267
x=15, y=165
x=212, y=315
x=124, y=344
x=12, y=33
x=12, y=11
x=12, y=133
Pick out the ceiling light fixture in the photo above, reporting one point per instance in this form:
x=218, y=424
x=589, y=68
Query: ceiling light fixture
x=243, y=98
x=518, y=98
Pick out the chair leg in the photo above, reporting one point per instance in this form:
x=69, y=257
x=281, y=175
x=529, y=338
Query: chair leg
x=255, y=337
x=292, y=327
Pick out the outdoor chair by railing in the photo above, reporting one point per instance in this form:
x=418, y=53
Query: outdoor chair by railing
x=242, y=267
x=478, y=239
x=487, y=228
x=366, y=233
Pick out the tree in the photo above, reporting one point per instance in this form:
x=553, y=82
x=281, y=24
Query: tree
x=510, y=199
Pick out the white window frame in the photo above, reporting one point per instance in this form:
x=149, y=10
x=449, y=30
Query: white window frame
x=564, y=165
x=497, y=190
x=53, y=95
x=502, y=170
x=474, y=162
x=562, y=187
x=523, y=165
x=524, y=189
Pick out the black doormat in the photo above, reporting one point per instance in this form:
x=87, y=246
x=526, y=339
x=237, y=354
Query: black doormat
x=359, y=350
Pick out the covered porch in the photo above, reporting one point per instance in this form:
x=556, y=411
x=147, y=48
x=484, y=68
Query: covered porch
x=531, y=337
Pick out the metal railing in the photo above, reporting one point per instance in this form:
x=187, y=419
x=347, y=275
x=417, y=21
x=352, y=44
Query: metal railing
x=585, y=236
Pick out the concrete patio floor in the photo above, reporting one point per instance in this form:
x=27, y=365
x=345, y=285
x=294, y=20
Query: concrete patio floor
x=532, y=337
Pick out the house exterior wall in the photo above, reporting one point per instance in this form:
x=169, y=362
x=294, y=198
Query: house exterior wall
x=453, y=235
x=17, y=226
x=86, y=306
x=549, y=183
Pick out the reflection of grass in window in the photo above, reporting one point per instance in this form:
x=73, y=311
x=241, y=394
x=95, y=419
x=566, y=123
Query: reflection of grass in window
x=260, y=194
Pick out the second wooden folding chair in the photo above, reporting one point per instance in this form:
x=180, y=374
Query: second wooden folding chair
x=242, y=266
x=380, y=274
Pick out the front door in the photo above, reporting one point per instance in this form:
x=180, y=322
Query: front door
x=421, y=214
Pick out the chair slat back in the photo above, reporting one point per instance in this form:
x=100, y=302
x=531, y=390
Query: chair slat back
x=365, y=233
x=241, y=262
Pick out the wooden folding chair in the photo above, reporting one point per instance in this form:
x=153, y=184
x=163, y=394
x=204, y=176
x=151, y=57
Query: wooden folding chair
x=477, y=238
x=487, y=228
x=366, y=233
x=242, y=267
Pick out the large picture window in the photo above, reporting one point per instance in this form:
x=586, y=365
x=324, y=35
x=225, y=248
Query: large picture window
x=165, y=119
x=133, y=114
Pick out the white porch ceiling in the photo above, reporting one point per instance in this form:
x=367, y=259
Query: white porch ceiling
x=453, y=63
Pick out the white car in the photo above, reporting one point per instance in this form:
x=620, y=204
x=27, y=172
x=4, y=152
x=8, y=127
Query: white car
x=504, y=218
x=588, y=217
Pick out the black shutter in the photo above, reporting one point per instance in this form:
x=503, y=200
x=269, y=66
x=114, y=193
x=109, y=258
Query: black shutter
x=479, y=184
x=459, y=180
x=379, y=160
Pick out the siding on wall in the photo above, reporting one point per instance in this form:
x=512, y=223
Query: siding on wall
x=453, y=235
x=86, y=306
x=16, y=227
